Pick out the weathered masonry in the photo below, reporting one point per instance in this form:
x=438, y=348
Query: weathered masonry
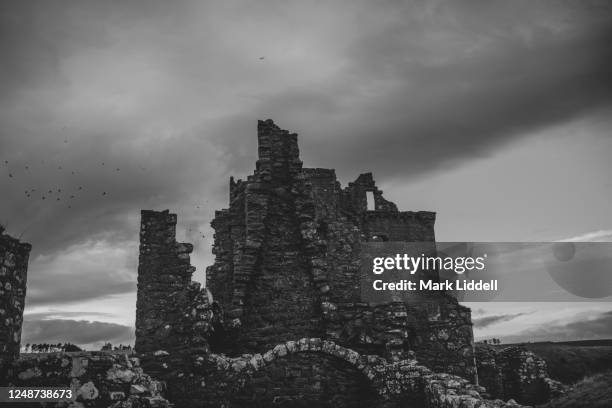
x=13, y=273
x=166, y=291
x=287, y=323
x=287, y=264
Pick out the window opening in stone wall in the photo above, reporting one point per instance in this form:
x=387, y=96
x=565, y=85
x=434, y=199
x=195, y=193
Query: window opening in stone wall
x=370, y=199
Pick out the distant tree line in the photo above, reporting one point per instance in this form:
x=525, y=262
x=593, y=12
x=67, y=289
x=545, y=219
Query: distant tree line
x=50, y=348
x=490, y=341
x=110, y=347
x=67, y=347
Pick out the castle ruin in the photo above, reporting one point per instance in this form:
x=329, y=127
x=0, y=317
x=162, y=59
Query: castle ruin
x=281, y=321
x=287, y=259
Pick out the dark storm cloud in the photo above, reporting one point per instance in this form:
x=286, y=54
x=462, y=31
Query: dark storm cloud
x=583, y=327
x=82, y=170
x=407, y=108
x=74, y=331
x=36, y=36
x=486, y=321
x=399, y=88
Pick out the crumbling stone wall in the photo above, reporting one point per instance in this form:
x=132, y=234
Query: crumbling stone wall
x=515, y=372
x=278, y=376
x=287, y=258
x=172, y=312
x=306, y=372
x=262, y=273
x=97, y=379
x=13, y=276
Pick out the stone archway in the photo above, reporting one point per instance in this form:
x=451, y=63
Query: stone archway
x=307, y=379
x=320, y=372
x=373, y=380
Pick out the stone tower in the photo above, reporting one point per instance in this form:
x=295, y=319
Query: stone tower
x=171, y=310
x=288, y=256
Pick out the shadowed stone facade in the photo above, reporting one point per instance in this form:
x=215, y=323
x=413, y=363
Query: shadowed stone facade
x=287, y=264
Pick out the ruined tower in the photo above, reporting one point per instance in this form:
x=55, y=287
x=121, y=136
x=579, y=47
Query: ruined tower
x=287, y=258
x=171, y=310
x=13, y=275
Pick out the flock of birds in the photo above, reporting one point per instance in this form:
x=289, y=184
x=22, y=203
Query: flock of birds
x=53, y=194
x=68, y=195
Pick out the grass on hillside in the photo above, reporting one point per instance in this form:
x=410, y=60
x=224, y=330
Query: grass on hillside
x=570, y=362
x=592, y=392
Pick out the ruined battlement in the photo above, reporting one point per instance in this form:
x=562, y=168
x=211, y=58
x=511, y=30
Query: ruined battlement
x=279, y=156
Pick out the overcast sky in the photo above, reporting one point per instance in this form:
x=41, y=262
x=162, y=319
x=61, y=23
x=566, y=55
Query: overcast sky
x=497, y=115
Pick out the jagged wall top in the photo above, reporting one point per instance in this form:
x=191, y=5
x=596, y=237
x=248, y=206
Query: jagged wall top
x=278, y=153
